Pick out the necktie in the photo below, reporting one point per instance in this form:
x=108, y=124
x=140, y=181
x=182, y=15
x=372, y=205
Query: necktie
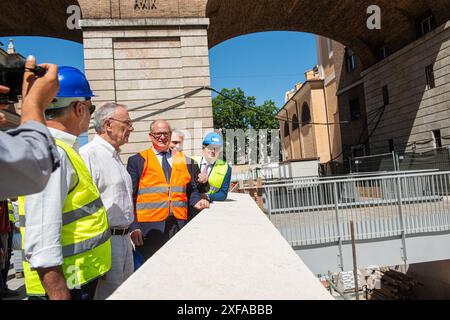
x=166, y=167
x=205, y=169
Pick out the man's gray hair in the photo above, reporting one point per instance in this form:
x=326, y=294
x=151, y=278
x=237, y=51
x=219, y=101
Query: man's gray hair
x=178, y=133
x=104, y=112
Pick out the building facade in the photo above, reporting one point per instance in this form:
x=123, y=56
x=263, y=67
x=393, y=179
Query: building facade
x=303, y=119
x=410, y=89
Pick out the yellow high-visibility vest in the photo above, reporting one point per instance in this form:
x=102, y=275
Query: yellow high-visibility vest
x=217, y=175
x=85, y=238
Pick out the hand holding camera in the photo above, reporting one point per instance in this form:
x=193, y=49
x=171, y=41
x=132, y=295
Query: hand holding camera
x=38, y=86
x=38, y=92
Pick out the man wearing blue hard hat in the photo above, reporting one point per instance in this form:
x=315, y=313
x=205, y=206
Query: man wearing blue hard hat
x=66, y=236
x=217, y=170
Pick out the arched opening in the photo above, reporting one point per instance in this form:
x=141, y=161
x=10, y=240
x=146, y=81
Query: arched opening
x=295, y=124
x=286, y=129
x=306, y=114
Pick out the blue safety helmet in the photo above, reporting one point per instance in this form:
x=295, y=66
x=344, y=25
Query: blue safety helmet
x=73, y=85
x=213, y=138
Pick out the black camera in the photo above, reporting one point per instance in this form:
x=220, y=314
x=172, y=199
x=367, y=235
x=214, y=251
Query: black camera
x=12, y=69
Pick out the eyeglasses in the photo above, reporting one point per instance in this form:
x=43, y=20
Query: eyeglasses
x=128, y=123
x=160, y=134
x=91, y=109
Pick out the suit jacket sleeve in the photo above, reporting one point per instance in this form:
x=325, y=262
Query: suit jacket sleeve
x=192, y=189
x=135, y=167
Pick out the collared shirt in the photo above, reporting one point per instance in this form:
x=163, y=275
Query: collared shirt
x=160, y=156
x=43, y=212
x=27, y=158
x=112, y=180
x=204, y=163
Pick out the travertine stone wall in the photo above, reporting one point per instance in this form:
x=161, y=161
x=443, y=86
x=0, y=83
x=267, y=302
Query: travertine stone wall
x=149, y=63
x=414, y=110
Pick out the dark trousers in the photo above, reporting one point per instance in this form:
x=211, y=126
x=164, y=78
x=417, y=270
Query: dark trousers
x=4, y=272
x=156, y=234
x=8, y=259
x=86, y=292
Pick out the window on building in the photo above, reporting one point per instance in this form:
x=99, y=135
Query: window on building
x=350, y=59
x=306, y=114
x=355, y=110
x=391, y=145
x=385, y=96
x=429, y=73
x=286, y=129
x=383, y=53
x=425, y=23
x=295, y=124
x=437, y=138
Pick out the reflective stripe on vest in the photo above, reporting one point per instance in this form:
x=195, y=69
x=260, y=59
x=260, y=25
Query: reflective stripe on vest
x=150, y=190
x=217, y=175
x=11, y=212
x=156, y=198
x=85, y=235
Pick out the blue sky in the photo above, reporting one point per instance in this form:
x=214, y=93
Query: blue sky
x=264, y=65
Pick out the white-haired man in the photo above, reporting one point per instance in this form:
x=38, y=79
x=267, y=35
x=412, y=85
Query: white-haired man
x=102, y=157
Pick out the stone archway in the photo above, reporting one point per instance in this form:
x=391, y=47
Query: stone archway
x=345, y=23
x=45, y=18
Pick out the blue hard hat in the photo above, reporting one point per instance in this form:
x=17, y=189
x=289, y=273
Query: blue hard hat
x=213, y=138
x=73, y=83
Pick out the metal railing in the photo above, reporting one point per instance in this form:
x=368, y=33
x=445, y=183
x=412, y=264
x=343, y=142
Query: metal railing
x=312, y=212
x=437, y=158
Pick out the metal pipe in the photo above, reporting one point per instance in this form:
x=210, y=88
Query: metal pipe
x=355, y=267
x=299, y=129
x=328, y=126
x=290, y=141
x=336, y=208
x=402, y=220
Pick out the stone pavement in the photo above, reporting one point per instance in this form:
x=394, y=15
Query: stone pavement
x=16, y=284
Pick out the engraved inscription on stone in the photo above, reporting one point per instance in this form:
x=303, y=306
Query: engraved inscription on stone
x=145, y=5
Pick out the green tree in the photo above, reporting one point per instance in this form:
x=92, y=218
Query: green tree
x=234, y=110
x=238, y=111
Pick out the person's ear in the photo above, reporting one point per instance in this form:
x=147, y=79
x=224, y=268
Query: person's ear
x=106, y=124
x=79, y=109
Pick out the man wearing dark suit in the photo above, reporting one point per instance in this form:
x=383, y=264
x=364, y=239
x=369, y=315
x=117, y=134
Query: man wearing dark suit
x=163, y=189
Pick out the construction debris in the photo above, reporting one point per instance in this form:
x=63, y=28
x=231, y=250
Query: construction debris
x=389, y=284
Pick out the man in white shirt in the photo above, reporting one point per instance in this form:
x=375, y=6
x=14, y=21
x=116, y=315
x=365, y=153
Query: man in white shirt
x=102, y=157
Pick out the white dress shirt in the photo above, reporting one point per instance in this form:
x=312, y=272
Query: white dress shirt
x=43, y=212
x=112, y=180
x=159, y=156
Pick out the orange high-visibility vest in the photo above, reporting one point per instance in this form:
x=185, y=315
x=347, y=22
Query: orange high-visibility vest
x=155, y=196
